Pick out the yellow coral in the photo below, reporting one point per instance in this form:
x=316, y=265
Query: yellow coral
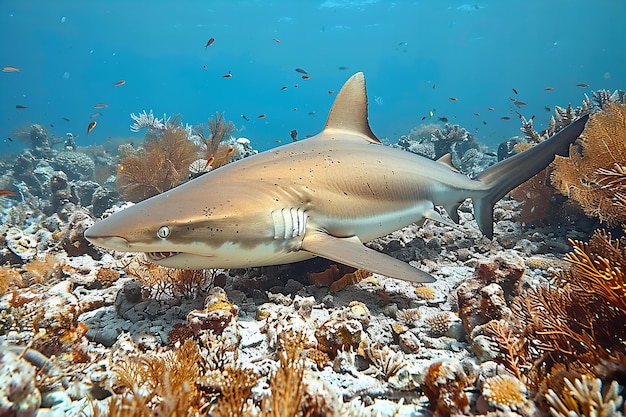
x=599, y=267
x=504, y=391
x=425, y=293
x=600, y=150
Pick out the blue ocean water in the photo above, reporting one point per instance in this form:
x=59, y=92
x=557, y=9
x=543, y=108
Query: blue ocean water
x=416, y=55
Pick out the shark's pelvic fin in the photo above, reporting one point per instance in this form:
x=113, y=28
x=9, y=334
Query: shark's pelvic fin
x=349, y=111
x=351, y=251
x=508, y=174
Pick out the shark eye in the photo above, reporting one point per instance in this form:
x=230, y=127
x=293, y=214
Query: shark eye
x=163, y=232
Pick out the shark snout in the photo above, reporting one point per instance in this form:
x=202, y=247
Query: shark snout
x=109, y=242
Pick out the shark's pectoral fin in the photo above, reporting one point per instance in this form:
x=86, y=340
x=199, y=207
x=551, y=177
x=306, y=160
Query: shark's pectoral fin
x=351, y=251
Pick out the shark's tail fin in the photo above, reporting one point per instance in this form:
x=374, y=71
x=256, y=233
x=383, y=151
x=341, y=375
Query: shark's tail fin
x=511, y=172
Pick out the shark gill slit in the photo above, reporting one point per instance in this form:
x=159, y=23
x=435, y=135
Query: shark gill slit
x=289, y=222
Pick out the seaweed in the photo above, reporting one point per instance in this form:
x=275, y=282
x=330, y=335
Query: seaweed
x=162, y=164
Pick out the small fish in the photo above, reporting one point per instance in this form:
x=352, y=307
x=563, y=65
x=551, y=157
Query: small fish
x=519, y=103
x=331, y=92
x=243, y=116
x=261, y=116
x=485, y=123
x=295, y=85
x=301, y=71
x=514, y=90
x=453, y=99
x=311, y=113
x=9, y=68
x=491, y=153
x=276, y=40
x=101, y=106
x=283, y=88
x=431, y=114
x=6, y=193
x=505, y=118
x=118, y=83
x=342, y=68
x=209, y=162
x=210, y=42
x=93, y=116
x=227, y=75
x=204, y=67
x=306, y=77
x=443, y=119
x=434, y=86
x=9, y=139
x=477, y=114
x=549, y=89
x=490, y=108
x=65, y=118
x=20, y=106
x=294, y=135
x=90, y=126
x=423, y=118
x=582, y=85
x=277, y=141
x=546, y=108
x=295, y=109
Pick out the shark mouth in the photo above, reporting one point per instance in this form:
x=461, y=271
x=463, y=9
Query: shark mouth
x=159, y=256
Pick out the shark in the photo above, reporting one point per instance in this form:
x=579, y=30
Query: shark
x=323, y=196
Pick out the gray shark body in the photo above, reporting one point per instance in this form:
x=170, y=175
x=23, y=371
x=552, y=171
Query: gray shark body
x=322, y=196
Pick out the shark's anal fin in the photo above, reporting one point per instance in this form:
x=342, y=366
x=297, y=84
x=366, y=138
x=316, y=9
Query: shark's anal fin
x=351, y=251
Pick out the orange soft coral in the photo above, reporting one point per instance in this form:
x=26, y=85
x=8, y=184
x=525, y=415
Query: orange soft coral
x=593, y=174
x=163, y=164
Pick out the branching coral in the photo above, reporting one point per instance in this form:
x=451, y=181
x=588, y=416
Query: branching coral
x=593, y=173
x=160, y=384
x=146, y=120
x=512, y=347
x=447, y=139
x=580, y=319
x=286, y=383
x=161, y=165
x=162, y=281
x=599, y=268
x=218, y=152
x=584, y=397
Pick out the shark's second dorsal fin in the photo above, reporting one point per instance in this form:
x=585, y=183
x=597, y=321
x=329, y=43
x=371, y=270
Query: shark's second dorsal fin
x=447, y=161
x=349, y=111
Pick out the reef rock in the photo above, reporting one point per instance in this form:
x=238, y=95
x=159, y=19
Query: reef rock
x=19, y=395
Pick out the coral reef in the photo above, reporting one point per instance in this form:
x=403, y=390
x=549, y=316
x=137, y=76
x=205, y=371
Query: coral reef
x=451, y=138
x=593, y=174
x=585, y=397
x=162, y=164
x=146, y=120
x=18, y=394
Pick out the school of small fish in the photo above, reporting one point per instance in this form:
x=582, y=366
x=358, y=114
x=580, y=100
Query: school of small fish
x=304, y=75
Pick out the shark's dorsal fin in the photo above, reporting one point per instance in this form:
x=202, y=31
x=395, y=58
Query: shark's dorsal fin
x=349, y=111
x=447, y=161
